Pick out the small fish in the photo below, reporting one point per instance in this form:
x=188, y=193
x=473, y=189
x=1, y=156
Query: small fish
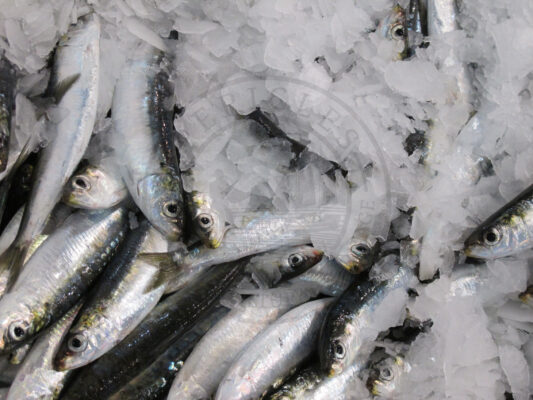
x=394, y=27
x=328, y=277
x=154, y=382
x=143, y=139
x=165, y=324
x=208, y=221
x=360, y=253
x=505, y=233
x=274, y=353
x=58, y=273
x=348, y=329
x=128, y=289
x=8, y=82
x=37, y=379
x=299, y=385
x=95, y=187
x=385, y=376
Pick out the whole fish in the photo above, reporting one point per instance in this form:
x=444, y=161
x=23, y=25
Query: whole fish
x=360, y=253
x=506, y=232
x=95, y=187
x=154, y=382
x=351, y=323
x=170, y=319
x=274, y=353
x=208, y=221
x=262, y=234
x=394, y=27
x=37, y=378
x=125, y=293
x=8, y=82
x=385, y=375
x=75, y=79
x=143, y=139
x=328, y=277
x=59, y=272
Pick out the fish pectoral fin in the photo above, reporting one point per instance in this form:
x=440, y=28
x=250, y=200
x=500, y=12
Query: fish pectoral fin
x=62, y=87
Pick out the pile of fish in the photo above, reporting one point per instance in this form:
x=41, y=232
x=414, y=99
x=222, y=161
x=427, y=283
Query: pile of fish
x=123, y=277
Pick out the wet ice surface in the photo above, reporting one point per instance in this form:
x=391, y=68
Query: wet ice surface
x=333, y=82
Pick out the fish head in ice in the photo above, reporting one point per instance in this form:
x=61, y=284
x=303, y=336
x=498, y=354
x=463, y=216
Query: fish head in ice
x=160, y=199
x=337, y=345
x=209, y=222
x=93, y=188
x=359, y=254
x=394, y=27
x=18, y=322
x=500, y=237
x=384, y=376
x=298, y=259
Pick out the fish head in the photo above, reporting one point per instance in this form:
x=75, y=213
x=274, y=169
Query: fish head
x=359, y=254
x=209, y=223
x=17, y=323
x=78, y=349
x=299, y=259
x=336, y=349
x=160, y=199
x=93, y=188
x=505, y=236
x=394, y=28
x=384, y=376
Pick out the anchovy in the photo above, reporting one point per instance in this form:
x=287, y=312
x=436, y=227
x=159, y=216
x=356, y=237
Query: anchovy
x=328, y=277
x=59, y=272
x=75, y=81
x=37, y=378
x=126, y=292
x=274, y=353
x=154, y=382
x=348, y=330
x=143, y=139
x=8, y=82
x=506, y=232
x=170, y=319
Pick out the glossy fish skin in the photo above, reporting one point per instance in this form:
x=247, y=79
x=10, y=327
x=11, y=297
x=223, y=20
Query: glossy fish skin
x=264, y=233
x=95, y=187
x=336, y=387
x=505, y=233
x=209, y=223
x=170, y=319
x=385, y=376
x=297, y=387
x=328, y=276
x=124, y=294
x=360, y=253
x=527, y=296
x=347, y=329
x=75, y=80
x=59, y=272
x=37, y=379
x=7, y=100
x=154, y=382
x=394, y=27
x=143, y=139
x=274, y=352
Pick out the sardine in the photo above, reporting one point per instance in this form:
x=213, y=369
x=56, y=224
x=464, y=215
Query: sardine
x=95, y=187
x=297, y=387
x=209, y=222
x=394, y=27
x=385, y=376
x=274, y=353
x=170, y=319
x=360, y=253
x=37, y=378
x=125, y=293
x=75, y=81
x=328, y=277
x=143, y=139
x=8, y=82
x=351, y=324
x=59, y=272
x=505, y=233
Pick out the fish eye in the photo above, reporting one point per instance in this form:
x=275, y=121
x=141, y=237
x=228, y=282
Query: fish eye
x=491, y=236
x=398, y=31
x=385, y=373
x=170, y=209
x=338, y=350
x=80, y=182
x=295, y=260
x=360, y=249
x=205, y=220
x=77, y=343
x=17, y=330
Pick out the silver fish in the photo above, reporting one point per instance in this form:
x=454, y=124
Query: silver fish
x=37, y=378
x=75, y=80
x=143, y=140
x=394, y=27
x=328, y=277
x=128, y=289
x=385, y=376
x=209, y=222
x=274, y=352
x=360, y=253
x=95, y=187
x=59, y=272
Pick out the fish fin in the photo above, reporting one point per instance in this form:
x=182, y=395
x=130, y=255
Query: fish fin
x=165, y=264
x=62, y=87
